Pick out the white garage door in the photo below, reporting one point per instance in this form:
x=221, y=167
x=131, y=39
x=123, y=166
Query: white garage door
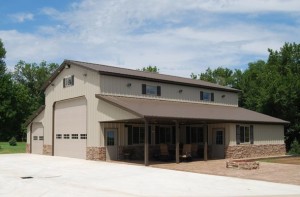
x=70, y=128
x=37, y=138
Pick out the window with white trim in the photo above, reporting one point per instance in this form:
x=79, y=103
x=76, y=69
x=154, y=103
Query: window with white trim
x=35, y=137
x=41, y=137
x=66, y=136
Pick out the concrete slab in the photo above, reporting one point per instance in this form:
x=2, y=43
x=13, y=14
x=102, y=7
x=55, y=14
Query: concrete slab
x=59, y=176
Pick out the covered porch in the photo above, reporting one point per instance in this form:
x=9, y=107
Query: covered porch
x=137, y=127
x=164, y=140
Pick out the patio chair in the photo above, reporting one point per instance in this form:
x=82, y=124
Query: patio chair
x=186, y=153
x=164, y=152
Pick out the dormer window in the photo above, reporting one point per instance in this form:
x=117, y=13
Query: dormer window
x=151, y=90
x=206, y=96
x=68, y=81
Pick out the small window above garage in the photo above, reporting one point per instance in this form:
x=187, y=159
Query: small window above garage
x=68, y=81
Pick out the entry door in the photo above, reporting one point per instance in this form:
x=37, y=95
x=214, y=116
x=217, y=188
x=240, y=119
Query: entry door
x=111, y=142
x=218, y=143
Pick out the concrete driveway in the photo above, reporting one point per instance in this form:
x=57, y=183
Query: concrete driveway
x=59, y=176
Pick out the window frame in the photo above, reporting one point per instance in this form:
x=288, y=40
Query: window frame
x=68, y=81
x=74, y=136
x=191, y=131
x=151, y=90
x=169, y=135
x=244, y=134
x=59, y=136
x=66, y=136
x=207, y=96
x=83, y=136
x=137, y=135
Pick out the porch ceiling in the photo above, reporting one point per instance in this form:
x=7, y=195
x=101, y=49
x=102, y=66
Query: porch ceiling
x=186, y=111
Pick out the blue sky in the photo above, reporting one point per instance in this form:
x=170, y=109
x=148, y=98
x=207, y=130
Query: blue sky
x=180, y=37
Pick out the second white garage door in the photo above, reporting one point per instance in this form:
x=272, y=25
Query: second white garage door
x=70, y=128
x=37, y=138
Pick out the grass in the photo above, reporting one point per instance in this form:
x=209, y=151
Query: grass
x=283, y=160
x=7, y=149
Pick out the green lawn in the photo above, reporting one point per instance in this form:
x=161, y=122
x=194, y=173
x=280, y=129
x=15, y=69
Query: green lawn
x=7, y=149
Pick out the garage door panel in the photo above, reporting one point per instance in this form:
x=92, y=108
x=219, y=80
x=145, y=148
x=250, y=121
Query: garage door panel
x=37, y=138
x=70, y=128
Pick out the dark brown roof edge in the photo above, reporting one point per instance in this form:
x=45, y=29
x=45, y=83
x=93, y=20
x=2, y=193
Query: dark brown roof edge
x=34, y=115
x=120, y=106
x=223, y=120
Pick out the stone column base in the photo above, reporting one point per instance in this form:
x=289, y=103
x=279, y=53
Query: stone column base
x=27, y=148
x=251, y=150
x=47, y=149
x=96, y=153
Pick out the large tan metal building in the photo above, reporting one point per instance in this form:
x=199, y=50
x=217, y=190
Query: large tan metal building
x=97, y=112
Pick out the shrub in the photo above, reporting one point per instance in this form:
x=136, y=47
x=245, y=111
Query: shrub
x=13, y=141
x=295, y=148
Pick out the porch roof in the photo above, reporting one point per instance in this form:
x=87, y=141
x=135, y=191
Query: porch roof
x=165, y=109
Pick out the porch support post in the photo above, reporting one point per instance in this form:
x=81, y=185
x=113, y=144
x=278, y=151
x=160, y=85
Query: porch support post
x=146, y=143
x=205, y=143
x=177, y=141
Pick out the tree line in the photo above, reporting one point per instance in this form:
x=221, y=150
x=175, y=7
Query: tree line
x=271, y=87
x=20, y=94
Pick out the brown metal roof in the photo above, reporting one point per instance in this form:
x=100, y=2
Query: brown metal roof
x=153, y=108
x=150, y=76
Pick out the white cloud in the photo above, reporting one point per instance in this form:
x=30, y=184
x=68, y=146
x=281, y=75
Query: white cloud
x=179, y=37
x=21, y=17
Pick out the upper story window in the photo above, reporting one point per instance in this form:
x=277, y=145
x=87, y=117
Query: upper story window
x=151, y=90
x=68, y=81
x=206, y=96
x=244, y=134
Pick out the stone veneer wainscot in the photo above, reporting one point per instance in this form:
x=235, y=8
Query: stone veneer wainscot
x=251, y=151
x=96, y=153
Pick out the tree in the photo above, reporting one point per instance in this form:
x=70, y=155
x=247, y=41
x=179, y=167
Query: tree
x=271, y=87
x=7, y=112
x=221, y=76
x=150, y=68
x=32, y=76
x=29, y=79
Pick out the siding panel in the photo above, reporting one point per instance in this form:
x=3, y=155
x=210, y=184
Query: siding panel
x=118, y=86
